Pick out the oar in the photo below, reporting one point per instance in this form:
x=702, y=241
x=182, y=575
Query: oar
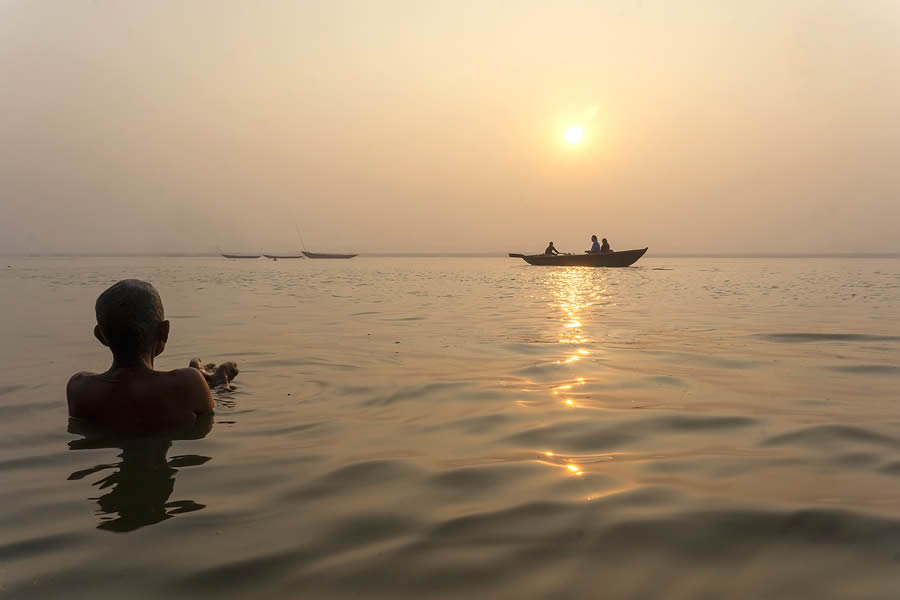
x=514, y=255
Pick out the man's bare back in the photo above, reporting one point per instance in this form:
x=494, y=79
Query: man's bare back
x=139, y=397
x=131, y=395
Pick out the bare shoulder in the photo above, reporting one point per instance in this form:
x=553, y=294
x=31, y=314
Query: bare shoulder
x=78, y=382
x=81, y=376
x=80, y=390
x=186, y=380
x=190, y=386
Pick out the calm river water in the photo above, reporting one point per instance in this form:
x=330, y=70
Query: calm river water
x=467, y=428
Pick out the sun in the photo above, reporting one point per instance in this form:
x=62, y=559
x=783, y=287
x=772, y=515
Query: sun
x=574, y=135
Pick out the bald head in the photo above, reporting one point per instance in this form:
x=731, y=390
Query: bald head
x=130, y=318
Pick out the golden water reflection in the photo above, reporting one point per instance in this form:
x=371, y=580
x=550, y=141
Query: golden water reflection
x=570, y=467
x=575, y=292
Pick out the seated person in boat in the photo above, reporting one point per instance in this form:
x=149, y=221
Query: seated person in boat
x=595, y=245
x=604, y=247
x=131, y=394
x=551, y=250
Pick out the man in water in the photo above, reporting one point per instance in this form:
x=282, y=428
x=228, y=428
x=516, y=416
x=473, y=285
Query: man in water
x=551, y=250
x=131, y=394
x=595, y=245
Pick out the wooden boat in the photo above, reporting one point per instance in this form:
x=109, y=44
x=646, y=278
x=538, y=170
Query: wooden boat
x=241, y=255
x=326, y=255
x=623, y=258
x=277, y=256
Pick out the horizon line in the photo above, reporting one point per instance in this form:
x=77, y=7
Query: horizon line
x=452, y=254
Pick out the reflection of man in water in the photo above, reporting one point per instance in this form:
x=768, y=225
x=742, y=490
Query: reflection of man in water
x=139, y=490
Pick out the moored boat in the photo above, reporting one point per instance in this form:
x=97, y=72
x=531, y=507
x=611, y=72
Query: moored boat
x=240, y=255
x=326, y=255
x=276, y=256
x=622, y=258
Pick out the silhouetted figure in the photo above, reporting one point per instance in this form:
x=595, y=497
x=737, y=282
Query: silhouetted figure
x=139, y=486
x=551, y=250
x=604, y=247
x=595, y=245
x=131, y=395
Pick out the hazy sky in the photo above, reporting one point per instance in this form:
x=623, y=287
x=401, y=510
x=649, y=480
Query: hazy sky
x=387, y=125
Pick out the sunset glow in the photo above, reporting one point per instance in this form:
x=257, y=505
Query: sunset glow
x=574, y=135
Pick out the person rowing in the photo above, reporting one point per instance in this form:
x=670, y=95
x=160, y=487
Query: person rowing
x=551, y=250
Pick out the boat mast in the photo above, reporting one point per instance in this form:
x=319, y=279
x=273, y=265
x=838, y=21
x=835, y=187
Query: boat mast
x=297, y=229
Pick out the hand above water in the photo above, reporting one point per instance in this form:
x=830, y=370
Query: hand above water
x=220, y=376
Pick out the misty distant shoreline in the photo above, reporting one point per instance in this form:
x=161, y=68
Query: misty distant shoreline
x=855, y=255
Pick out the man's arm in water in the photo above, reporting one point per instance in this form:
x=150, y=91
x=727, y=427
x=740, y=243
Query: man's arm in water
x=214, y=376
x=199, y=378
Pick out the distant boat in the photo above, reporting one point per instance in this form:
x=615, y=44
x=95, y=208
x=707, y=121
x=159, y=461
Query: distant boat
x=623, y=258
x=326, y=255
x=276, y=256
x=241, y=255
